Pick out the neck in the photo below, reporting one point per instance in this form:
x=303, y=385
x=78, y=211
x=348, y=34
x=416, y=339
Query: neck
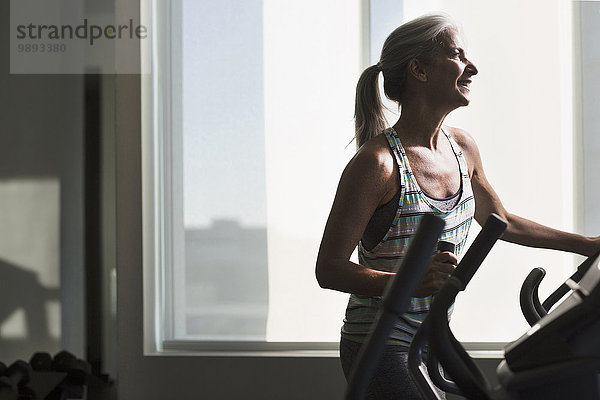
x=420, y=125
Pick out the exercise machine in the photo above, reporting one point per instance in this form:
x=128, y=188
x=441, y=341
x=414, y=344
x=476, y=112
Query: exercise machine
x=397, y=296
x=395, y=303
x=558, y=358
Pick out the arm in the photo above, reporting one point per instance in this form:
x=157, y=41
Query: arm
x=532, y=234
x=520, y=230
x=364, y=185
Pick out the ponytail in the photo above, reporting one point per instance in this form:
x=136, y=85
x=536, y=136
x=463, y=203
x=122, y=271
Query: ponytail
x=414, y=39
x=369, y=119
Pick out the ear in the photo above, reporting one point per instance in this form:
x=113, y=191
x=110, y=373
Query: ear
x=417, y=70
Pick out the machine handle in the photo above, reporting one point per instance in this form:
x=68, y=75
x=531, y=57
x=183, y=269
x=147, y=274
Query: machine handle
x=395, y=302
x=564, y=288
x=490, y=232
x=529, y=299
x=452, y=355
x=396, y=297
x=427, y=376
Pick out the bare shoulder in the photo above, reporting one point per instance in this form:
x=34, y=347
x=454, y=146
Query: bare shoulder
x=372, y=172
x=468, y=146
x=463, y=139
x=375, y=157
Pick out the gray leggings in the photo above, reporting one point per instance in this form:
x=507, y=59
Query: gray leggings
x=391, y=379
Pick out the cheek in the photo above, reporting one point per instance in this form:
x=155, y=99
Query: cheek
x=459, y=69
x=451, y=73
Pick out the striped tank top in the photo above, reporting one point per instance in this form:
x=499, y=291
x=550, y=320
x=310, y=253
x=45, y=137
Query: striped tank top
x=388, y=254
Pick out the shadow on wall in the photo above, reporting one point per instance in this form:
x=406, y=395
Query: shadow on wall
x=25, y=310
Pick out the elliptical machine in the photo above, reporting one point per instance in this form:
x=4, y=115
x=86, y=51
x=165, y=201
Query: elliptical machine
x=406, y=280
x=558, y=358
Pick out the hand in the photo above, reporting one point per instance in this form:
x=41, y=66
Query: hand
x=439, y=270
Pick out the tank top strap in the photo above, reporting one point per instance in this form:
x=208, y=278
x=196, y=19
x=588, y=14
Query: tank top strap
x=462, y=161
x=396, y=146
x=406, y=181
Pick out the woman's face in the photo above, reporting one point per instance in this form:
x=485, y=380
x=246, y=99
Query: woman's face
x=450, y=73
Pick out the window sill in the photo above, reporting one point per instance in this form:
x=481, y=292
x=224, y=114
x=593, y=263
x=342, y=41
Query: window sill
x=192, y=348
x=249, y=349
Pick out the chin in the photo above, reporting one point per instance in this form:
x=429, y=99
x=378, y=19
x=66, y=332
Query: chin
x=464, y=101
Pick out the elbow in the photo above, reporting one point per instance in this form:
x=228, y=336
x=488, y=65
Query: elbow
x=324, y=278
x=321, y=277
x=482, y=217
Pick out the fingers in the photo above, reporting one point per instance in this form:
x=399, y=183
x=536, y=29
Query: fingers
x=443, y=262
x=446, y=257
x=440, y=268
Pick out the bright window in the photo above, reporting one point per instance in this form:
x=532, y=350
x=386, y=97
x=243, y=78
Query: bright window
x=251, y=120
x=260, y=115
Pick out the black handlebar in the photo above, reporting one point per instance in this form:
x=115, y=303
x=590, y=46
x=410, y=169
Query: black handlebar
x=529, y=299
x=532, y=310
x=416, y=363
x=450, y=352
x=395, y=302
x=396, y=298
x=490, y=232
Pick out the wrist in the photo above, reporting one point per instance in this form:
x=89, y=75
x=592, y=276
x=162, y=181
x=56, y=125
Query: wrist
x=591, y=246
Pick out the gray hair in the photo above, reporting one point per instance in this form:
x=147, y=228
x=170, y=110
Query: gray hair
x=414, y=39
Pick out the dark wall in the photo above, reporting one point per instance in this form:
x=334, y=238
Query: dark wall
x=41, y=141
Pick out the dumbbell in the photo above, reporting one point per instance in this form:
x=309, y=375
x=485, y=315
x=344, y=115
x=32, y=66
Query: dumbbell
x=67, y=362
x=17, y=375
x=78, y=373
x=41, y=362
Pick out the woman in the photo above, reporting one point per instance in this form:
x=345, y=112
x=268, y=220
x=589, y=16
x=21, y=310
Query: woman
x=417, y=166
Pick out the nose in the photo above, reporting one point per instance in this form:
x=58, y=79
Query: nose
x=471, y=68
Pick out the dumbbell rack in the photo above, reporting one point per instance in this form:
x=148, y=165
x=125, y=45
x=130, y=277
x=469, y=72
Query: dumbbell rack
x=61, y=377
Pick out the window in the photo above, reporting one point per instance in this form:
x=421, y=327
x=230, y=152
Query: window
x=261, y=101
x=248, y=120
